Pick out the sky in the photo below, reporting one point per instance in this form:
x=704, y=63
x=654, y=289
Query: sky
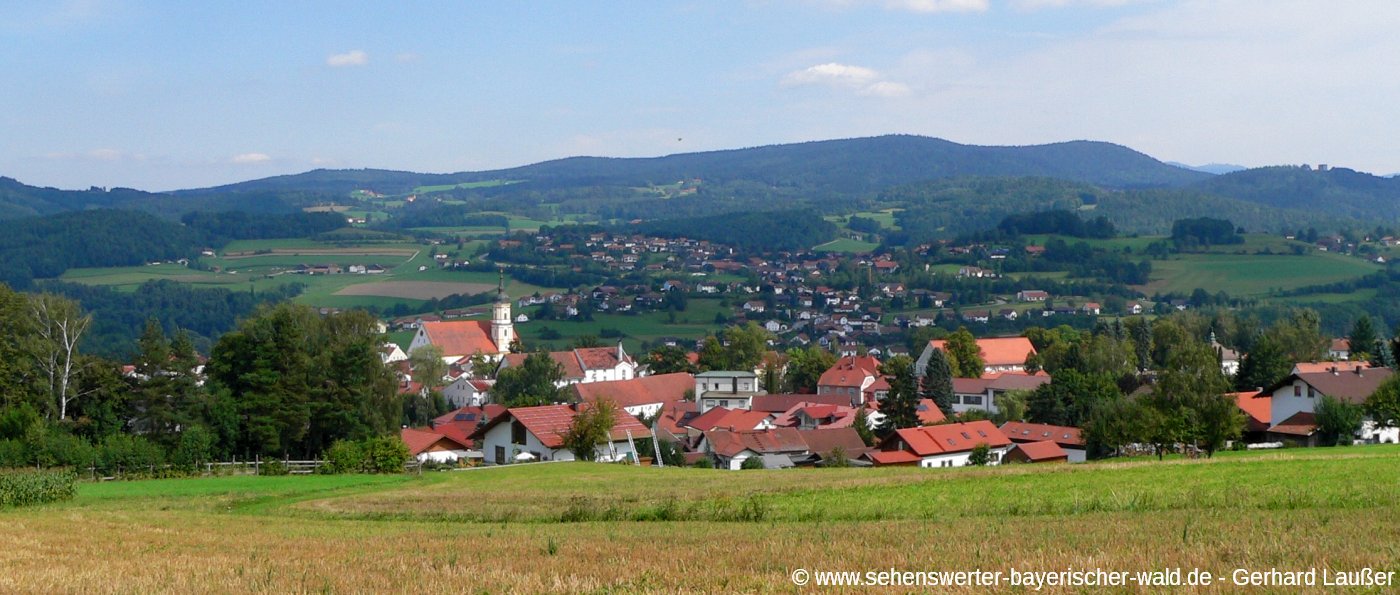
x=167, y=95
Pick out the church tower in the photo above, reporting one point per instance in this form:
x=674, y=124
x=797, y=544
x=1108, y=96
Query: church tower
x=502, y=328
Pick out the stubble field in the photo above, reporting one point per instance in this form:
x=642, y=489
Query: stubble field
x=574, y=527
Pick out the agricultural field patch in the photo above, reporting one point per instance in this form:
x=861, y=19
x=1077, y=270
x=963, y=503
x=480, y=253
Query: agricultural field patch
x=577, y=527
x=417, y=290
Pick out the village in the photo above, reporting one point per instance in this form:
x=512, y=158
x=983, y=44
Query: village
x=727, y=419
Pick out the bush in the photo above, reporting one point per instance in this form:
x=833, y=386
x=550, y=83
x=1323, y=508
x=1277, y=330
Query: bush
x=387, y=454
x=981, y=455
x=121, y=453
x=752, y=463
x=13, y=454
x=344, y=456
x=704, y=463
x=194, y=448
x=49, y=446
x=27, y=487
x=273, y=468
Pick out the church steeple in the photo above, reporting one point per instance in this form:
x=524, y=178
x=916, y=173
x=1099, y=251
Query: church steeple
x=502, y=327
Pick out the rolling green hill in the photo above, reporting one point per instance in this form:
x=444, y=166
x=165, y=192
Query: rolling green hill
x=1338, y=191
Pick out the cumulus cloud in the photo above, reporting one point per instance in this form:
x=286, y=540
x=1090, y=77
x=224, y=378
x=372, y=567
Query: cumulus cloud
x=246, y=158
x=860, y=79
x=350, y=58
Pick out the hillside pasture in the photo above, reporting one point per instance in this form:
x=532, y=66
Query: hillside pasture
x=1251, y=275
x=846, y=245
x=584, y=527
x=417, y=290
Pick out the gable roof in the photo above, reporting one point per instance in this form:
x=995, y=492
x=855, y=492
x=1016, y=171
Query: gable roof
x=1067, y=436
x=644, y=390
x=785, y=440
x=783, y=402
x=577, y=362
x=549, y=423
x=1352, y=385
x=419, y=440
x=949, y=438
x=1301, y=423
x=850, y=371
x=707, y=420
x=1257, y=408
x=998, y=351
x=460, y=338
x=1045, y=450
x=929, y=413
x=740, y=420
x=1015, y=381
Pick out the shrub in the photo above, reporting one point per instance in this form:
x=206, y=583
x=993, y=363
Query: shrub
x=704, y=463
x=980, y=456
x=344, y=456
x=121, y=453
x=194, y=448
x=273, y=467
x=386, y=454
x=24, y=487
x=13, y=454
x=752, y=463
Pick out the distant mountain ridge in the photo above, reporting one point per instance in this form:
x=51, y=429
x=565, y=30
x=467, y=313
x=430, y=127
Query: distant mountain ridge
x=847, y=165
x=1210, y=168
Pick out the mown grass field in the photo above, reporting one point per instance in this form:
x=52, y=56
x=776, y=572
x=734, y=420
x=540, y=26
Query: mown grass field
x=1252, y=275
x=845, y=245
x=577, y=527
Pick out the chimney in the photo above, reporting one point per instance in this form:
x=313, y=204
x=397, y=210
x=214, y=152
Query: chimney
x=1333, y=369
x=1358, y=370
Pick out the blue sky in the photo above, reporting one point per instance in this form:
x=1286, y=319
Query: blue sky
x=165, y=95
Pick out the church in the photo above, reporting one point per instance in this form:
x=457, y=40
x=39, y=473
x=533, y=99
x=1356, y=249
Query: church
x=464, y=338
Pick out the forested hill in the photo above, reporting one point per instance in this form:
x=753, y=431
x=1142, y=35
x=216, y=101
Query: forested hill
x=18, y=199
x=841, y=166
x=1335, y=191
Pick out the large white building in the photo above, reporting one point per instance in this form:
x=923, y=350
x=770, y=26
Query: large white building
x=464, y=338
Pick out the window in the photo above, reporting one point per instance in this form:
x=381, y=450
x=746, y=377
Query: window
x=724, y=403
x=972, y=399
x=517, y=432
x=1311, y=392
x=1297, y=390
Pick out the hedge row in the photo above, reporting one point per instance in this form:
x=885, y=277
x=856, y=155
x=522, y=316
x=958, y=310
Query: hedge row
x=24, y=487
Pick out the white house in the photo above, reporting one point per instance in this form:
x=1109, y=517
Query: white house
x=589, y=364
x=391, y=353
x=525, y=434
x=643, y=396
x=731, y=390
x=465, y=391
x=1070, y=439
x=948, y=445
x=1294, y=401
x=426, y=445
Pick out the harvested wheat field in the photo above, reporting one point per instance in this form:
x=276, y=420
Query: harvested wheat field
x=581, y=527
x=416, y=290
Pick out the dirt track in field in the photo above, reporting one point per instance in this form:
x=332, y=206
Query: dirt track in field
x=415, y=290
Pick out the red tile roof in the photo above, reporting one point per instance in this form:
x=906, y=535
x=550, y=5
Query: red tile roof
x=707, y=420
x=893, y=457
x=1065, y=436
x=549, y=423
x=850, y=371
x=1256, y=407
x=1312, y=367
x=419, y=441
x=741, y=420
x=784, y=440
x=461, y=337
x=577, y=361
x=784, y=402
x=949, y=438
x=1000, y=351
x=1301, y=423
x=929, y=413
x=675, y=415
x=1044, y=450
x=662, y=388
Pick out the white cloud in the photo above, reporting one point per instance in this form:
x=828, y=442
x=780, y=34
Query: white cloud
x=860, y=79
x=931, y=6
x=350, y=58
x=1038, y=4
x=922, y=6
x=247, y=158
